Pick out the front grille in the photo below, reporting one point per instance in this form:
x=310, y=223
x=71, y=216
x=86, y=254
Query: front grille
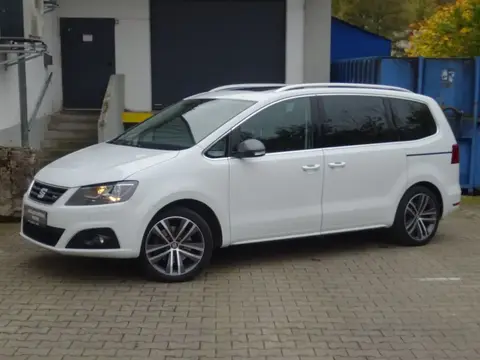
x=46, y=194
x=47, y=235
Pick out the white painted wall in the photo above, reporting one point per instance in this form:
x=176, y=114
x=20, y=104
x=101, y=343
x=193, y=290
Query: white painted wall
x=36, y=74
x=36, y=71
x=294, y=47
x=9, y=115
x=132, y=42
x=318, y=19
x=307, y=54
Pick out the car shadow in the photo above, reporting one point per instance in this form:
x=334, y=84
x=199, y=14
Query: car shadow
x=315, y=249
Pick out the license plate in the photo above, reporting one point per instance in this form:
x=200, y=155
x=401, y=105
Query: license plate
x=35, y=216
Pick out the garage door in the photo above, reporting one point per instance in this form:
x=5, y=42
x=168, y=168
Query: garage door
x=200, y=44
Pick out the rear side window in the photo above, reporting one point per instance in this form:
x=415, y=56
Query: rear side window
x=413, y=119
x=356, y=120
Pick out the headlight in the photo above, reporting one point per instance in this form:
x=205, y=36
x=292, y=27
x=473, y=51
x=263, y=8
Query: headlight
x=102, y=194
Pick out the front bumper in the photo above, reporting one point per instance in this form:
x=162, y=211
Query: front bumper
x=65, y=222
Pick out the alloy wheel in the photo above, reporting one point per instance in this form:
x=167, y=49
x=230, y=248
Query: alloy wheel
x=421, y=217
x=175, y=246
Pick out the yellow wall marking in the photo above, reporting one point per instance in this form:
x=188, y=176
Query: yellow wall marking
x=135, y=117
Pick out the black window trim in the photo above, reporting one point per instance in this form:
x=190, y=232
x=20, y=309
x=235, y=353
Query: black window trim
x=389, y=118
x=233, y=133
x=390, y=98
x=228, y=137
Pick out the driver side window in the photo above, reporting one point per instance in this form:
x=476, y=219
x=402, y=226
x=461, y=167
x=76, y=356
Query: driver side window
x=285, y=126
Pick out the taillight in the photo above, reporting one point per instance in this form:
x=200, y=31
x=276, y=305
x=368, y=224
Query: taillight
x=455, y=154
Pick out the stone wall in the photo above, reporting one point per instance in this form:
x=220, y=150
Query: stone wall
x=17, y=168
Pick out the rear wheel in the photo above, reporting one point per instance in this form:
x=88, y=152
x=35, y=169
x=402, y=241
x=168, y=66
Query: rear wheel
x=417, y=218
x=177, y=245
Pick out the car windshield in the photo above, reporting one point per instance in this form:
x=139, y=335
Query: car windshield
x=183, y=124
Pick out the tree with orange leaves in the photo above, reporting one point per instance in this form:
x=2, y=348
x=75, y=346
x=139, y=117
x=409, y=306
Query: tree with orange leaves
x=452, y=31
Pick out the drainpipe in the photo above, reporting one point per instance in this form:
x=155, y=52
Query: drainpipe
x=22, y=91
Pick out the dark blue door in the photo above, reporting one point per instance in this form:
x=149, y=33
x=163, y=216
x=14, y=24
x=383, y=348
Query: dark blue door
x=11, y=18
x=201, y=44
x=88, y=60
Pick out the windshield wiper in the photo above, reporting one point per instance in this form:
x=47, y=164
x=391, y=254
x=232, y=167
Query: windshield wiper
x=149, y=145
x=161, y=146
x=123, y=142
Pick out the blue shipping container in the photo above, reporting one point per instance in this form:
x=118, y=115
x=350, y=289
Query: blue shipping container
x=454, y=83
x=349, y=41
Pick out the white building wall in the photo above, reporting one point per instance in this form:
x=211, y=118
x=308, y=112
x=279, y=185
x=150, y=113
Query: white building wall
x=294, y=47
x=36, y=75
x=9, y=115
x=307, y=56
x=317, y=39
x=132, y=48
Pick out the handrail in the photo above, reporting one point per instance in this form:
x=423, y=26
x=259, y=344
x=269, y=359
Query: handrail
x=246, y=86
x=25, y=49
x=47, y=82
x=340, y=85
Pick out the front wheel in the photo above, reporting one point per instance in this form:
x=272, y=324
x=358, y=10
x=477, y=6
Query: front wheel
x=177, y=245
x=417, y=218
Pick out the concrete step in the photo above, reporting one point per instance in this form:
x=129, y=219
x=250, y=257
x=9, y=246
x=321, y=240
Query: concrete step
x=72, y=125
x=72, y=134
x=57, y=118
x=74, y=144
x=68, y=131
x=79, y=112
x=76, y=116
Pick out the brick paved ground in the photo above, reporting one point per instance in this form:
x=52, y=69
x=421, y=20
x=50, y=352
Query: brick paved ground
x=338, y=298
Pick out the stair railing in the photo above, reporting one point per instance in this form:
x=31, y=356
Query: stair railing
x=40, y=98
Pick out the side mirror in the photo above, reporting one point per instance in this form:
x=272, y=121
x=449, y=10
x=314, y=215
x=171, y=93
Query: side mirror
x=250, y=148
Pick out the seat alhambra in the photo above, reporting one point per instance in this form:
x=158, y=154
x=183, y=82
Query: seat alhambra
x=251, y=163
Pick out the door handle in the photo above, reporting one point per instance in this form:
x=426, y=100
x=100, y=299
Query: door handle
x=338, y=164
x=311, y=167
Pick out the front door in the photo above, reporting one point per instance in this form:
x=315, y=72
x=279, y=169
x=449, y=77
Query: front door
x=88, y=60
x=365, y=165
x=278, y=195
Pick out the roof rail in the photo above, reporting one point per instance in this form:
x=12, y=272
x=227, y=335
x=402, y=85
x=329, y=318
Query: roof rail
x=340, y=85
x=247, y=87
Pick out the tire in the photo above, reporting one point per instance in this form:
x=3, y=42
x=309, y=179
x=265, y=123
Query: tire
x=163, y=251
x=408, y=231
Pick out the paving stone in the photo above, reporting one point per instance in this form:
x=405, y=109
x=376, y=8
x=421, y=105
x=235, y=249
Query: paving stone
x=337, y=298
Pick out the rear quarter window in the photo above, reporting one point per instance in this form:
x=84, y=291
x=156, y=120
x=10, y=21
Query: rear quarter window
x=413, y=119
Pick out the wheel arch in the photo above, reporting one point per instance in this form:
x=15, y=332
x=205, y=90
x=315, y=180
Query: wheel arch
x=204, y=211
x=434, y=189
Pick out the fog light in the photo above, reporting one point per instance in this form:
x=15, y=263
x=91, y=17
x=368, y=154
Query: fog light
x=94, y=239
x=97, y=241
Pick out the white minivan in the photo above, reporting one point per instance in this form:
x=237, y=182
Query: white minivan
x=251, y=163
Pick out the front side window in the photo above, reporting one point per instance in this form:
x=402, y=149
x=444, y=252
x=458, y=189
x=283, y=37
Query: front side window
x=285, y=126
x=182, y=125
x=413, y=119
x=355, y=120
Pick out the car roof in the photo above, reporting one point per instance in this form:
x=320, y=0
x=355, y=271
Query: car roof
x=281, y=92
